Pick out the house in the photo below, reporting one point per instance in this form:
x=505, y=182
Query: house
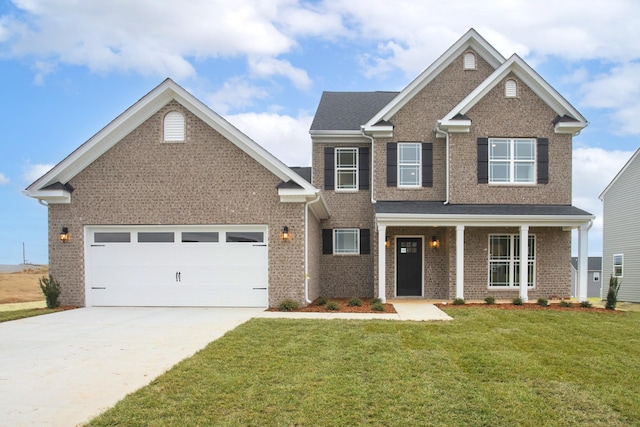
x=438, y=191
x=594, y=275
x=621, y=252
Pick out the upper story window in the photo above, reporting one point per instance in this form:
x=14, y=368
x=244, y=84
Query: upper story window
x=409, y=164
x=346, y=168
x=618, y=261
x=469, y=61
x=512, y=160
x=510, y=88
x=174, y=127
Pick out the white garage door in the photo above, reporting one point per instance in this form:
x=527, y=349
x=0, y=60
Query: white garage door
x=208, y=266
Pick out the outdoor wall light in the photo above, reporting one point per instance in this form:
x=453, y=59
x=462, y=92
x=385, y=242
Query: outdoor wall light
x=64, y=235
x=435, y=243
x=387, y=243
x=285, y=235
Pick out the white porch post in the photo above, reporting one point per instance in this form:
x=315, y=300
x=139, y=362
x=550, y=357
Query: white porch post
x=382, y=262
x=459, y=261
x=583, y=259
x=524, y=262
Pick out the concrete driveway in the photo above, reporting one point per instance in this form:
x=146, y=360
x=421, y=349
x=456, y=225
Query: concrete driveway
x=63, y=369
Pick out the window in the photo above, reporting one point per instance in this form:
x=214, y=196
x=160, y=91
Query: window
x=596, y=276
x=199, y=237
x=512, y=160
x=245, y=237
x=618, y=261
x=510, y=89
x=174, y=127
x=469, y=61
x=346, y=241
x=155, y=237
x=115, y=237
x=409, y=164
x=504, y=261
x=346, y=168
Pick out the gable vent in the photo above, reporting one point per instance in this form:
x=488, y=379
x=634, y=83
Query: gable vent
x=174, y=126
x=469, y=61
x=510, y=89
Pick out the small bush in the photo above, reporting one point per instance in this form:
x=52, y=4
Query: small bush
x=376, y=301
x=458, y=301
x=355, y=302
x=490, y=300
x=612, y=294
x=51, y=290
x=377, y=306
x=322, y=301
x=586, y=304
x=516, y=301
x=333, y=306
x=565, y=303
x=288, y=305
x=543, y=302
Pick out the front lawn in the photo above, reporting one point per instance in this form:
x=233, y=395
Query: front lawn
x=487, y=367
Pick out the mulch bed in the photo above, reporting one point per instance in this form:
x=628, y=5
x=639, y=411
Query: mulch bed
x=529, y=306
x=343, y=303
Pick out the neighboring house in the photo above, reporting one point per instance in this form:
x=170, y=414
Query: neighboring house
x=594, y=276
x=621, y=224
x=438, y=191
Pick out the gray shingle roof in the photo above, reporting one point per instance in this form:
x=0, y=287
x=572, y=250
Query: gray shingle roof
x=594, y=263
x=348, y=110
x=439, y=208
x=304, y=172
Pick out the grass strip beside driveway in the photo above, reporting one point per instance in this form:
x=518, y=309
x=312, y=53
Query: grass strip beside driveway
x=487, y=367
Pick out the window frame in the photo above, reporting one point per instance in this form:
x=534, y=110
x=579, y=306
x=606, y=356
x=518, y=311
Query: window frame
x=401, y=165
x=348, y=251
x=620, y=264
x=512, y=262
x=512, y=161
x=338, y=169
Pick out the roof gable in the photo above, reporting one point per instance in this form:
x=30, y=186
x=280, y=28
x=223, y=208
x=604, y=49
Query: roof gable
x=134, y=116
x=348, y=110
x=619, y=174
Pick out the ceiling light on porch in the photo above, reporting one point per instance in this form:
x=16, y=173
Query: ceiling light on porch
x=434, y=243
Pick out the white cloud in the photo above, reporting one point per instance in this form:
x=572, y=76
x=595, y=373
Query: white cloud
x=3, y=179
x=235, y=93
x=267, y=67
x=32, y=172
x=286, y=137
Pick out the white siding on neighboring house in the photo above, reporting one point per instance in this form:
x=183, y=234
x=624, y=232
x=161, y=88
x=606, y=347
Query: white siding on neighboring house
x=621, y=231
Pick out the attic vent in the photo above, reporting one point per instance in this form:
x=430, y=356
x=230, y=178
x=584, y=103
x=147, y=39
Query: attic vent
x=510, y=89
x=469, y=61
x=174, y=127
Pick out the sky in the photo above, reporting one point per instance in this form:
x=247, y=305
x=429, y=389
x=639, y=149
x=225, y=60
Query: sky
x=70, y=67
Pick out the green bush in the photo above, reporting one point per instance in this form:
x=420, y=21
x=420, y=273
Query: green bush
x=322, y=301
x=376, y=301
x=51, y=290
x=355, y=302
x=333, y=306
x=565, y=303
x=377, y=306
x=516, y=301
x=288, y=305
x=490, y=300
x=543, y=302
x=612, y=294
x=458, y=301
x=586, y=304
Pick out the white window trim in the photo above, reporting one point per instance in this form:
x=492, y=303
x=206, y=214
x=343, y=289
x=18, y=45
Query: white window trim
x=337, y=231
x=355, y=168
x=512, y=262
x=512, y=163
x=613, y=272
x=419, y=165
x=180, y=134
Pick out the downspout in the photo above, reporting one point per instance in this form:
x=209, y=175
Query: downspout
x=446, y=154
x=373, y=150
x=306, y=246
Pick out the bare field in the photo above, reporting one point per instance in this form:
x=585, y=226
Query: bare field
x=21, y=286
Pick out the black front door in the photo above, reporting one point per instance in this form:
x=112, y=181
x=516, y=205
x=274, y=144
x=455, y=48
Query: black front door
x=409, y=266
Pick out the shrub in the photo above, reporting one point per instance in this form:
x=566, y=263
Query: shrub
x=543, y=302
x=288, y=305
x=490, y=300
x=612, y=294
x=516, y=301
x=458, y=301
x=376, y=301
x=333, y=306
x=51, y=290
x=565, y=303
x=586, y=304
x=377, y=306
x=355, y=302
x=322, y=301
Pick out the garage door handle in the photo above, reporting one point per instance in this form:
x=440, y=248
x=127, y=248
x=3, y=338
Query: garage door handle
x=178, y=279
x=96, y=287
x=96, y=246
x=259, y=245
x=259, y=289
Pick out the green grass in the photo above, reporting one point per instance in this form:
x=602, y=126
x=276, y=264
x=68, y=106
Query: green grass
x=6, y=316
x=486, y=368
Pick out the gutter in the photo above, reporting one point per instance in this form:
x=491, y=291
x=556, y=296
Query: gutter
x=373, y=150
x=446, y=154
x=306, y=246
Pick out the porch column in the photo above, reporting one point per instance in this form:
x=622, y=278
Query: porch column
x=460, y=261
x=583, y=259
x=382, y=262
x=524, y=262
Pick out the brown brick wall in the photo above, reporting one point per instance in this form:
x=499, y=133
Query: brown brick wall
x=206, y=180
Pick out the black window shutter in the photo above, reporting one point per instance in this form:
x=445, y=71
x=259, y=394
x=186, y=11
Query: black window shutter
x=365, y=241
x=427, y=164
x=543, y=160
x=483, y=160
x=329, y=165
x=392, y=164
x=363, y=168
x=327, y=241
